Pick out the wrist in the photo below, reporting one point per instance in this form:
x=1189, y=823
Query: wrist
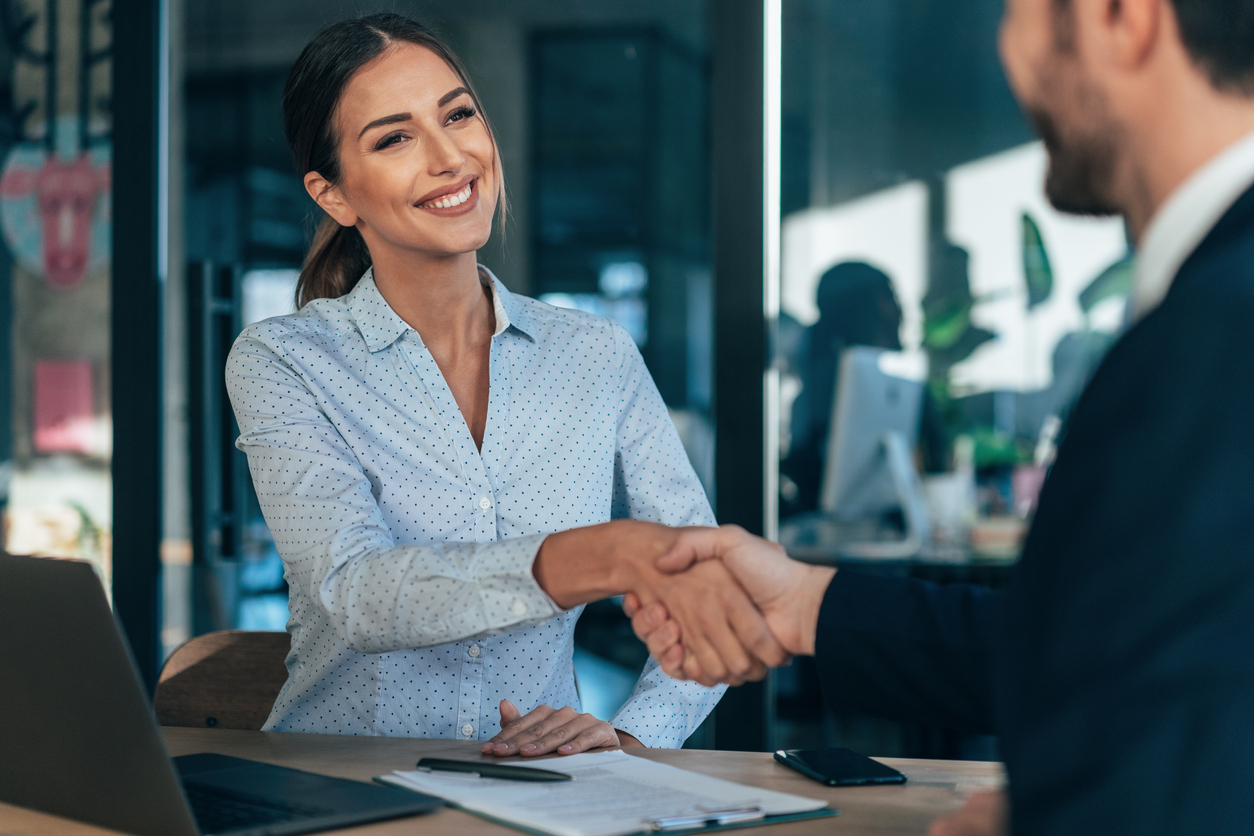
x=572, y=566
x=626, y=740
x=632, y=553
x=813, y=589
x=598, y=561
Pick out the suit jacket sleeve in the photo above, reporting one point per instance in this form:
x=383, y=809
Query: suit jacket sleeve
x=908, y=650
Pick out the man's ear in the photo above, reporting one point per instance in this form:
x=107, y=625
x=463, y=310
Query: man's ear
x=1132, y=28
x=330, y=199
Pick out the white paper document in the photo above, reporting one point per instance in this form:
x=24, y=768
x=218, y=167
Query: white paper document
x=613, y=794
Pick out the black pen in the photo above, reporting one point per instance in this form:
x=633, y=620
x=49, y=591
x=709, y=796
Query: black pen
x=502, y=771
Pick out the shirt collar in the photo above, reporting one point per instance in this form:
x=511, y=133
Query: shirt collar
x=374, y=317
x=380, y=326
x=509, y=309
x=1185, y=219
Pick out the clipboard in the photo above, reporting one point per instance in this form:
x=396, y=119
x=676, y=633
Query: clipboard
x=824, y=813
x=613, y=794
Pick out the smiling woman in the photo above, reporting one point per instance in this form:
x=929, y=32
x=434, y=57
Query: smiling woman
x=415, y=432
x=331, y=127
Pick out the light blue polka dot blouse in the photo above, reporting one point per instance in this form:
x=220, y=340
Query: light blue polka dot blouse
x=408, y=551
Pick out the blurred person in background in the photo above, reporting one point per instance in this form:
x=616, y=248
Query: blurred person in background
x=857, y=307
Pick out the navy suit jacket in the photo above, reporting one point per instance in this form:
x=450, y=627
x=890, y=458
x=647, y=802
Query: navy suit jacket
x=1118, y=668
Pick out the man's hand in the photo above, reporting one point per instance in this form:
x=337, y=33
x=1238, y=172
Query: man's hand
x=548, y=729
x=787, y=592
x=725, y=635
x=984, y=814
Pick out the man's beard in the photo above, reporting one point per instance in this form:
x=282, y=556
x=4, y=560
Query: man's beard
x=1082, y=164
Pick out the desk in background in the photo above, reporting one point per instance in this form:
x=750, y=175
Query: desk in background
x=935, y=787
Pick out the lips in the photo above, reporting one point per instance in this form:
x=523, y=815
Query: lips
x=448, y=197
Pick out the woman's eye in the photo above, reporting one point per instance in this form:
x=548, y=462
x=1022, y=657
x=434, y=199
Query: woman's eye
x=461, y=113
x=389, y=140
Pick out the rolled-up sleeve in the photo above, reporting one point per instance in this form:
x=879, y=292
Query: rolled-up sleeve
x=321, y=510
x=654, y=481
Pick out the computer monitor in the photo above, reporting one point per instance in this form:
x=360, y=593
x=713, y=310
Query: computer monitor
x=870, y=450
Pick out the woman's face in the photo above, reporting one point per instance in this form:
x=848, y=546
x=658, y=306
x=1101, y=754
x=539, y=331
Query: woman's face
x=416, y=159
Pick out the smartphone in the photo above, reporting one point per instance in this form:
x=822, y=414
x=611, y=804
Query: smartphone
x=839, y=767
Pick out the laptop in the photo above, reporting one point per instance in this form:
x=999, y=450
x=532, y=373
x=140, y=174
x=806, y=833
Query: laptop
x=78, y=738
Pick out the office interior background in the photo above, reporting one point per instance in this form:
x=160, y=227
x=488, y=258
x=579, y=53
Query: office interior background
x=750, y=188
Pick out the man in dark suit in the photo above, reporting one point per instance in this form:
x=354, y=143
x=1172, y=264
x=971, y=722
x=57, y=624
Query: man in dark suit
x=1117, y=668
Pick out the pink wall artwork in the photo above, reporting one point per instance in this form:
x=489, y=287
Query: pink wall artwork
x=64, y=407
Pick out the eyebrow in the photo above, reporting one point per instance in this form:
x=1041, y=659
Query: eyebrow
x=386, y=120
x=450, y=95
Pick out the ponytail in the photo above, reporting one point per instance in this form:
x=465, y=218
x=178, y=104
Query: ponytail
x=336, y=261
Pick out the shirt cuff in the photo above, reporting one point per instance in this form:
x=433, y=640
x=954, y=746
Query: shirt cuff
x=510, y=593
x=663, y=714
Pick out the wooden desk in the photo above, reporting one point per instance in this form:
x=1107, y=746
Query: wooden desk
x=935, y=787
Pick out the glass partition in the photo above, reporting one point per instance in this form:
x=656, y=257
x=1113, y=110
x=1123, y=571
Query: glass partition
x=938, y=319
x=914, y=222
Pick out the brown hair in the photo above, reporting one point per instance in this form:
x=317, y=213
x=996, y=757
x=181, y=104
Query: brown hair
x=338, y=255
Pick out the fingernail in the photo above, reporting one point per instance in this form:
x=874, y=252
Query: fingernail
x=650, y=617
x=485, y=748
x=530, y=747
x=566, y=747
x=501, y=748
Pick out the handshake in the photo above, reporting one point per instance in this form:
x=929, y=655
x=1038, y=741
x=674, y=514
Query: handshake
x=714, y=605
x=735, y=605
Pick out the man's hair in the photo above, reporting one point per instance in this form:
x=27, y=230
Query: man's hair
x=1218, y=35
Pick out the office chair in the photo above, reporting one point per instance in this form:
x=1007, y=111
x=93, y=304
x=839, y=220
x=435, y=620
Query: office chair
x=226, y=680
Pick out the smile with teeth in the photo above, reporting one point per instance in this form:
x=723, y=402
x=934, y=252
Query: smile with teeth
x=449, y=201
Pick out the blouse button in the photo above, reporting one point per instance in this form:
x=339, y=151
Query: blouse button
x=520, y=608
x=468, y=730
x=485, y=503
x=474, y=651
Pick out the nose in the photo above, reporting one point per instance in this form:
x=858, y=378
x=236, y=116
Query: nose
x=444, y=156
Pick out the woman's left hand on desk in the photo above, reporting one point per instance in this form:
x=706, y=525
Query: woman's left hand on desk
x=548, y=729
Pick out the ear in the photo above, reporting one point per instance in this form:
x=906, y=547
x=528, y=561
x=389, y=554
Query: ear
x=1130, y=29
x=330, y=198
